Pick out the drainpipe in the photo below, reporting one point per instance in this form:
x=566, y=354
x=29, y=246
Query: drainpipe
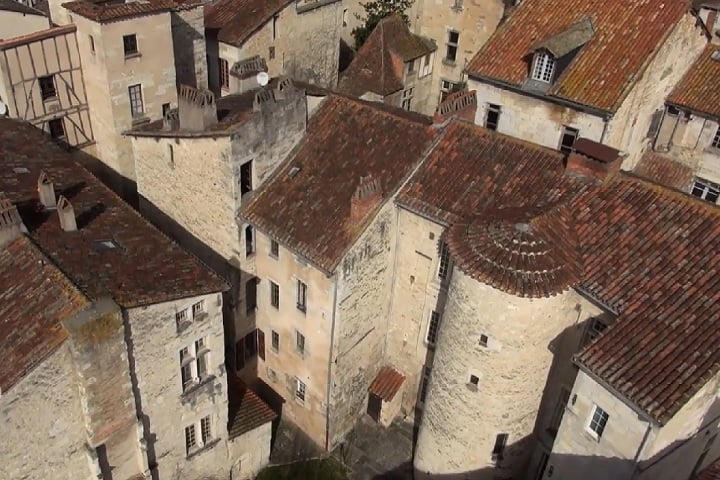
x=697, y=142
x=606, y=122
x=329, y=377
x=672, y=134
x=640, y=450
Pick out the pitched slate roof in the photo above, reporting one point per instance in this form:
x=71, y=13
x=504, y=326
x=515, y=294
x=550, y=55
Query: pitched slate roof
x=14, y=6
x=379, y=65
x=145, y=268
x=236, y=20
x=664, y=171
x=247, y=410
x=603, y=71
x=34, y=298
x=699, y=89
x=102, y=13
x=387, y=383
x=306, y=204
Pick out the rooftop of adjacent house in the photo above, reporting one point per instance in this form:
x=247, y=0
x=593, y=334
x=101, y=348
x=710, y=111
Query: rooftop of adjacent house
x=34, y=298
x=236, y=20
x=15, y=6
x=379, y=65
x=247, y=410
x=103, y=11
x=711, y=472
x=699, y=89
x=36, y=36
x=663, y=170
x=347, y=141
x=387, y=383
x=114, y=251
x=590, y=40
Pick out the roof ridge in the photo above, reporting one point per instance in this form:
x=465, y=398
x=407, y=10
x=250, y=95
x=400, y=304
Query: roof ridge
x=672, y=193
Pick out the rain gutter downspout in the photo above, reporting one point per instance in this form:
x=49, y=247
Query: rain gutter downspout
x=329, y=377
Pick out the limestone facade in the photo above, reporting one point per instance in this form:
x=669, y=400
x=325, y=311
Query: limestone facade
x=17, y=21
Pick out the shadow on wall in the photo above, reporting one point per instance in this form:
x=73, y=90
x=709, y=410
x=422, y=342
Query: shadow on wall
x=184, y=37
x=124, y=187
x=346, y=56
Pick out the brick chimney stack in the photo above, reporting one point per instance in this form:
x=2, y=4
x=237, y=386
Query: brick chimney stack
x=592, y=159
x=11, y=226
x=46, y=191
x=367, y=196
x=196, y=108
x=66, y=213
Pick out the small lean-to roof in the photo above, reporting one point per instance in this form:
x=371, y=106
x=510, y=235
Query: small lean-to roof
x=604, y=69
x=247, y=409
x=379, y=65
x=103, y=12
x=236, y=20
x=15, y=6
x=664, y=171
x=699, y=89
x=306, y=204
x=145, y=267
x=34, y=298
x=387, y=383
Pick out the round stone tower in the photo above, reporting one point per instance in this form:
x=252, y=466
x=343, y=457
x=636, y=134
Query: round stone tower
x=508, y=299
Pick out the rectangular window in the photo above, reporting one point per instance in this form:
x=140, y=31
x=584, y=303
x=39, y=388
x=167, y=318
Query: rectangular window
x=598, y=421
x=271, y=52
x=194, y=362
x=274, y=26
x=47, y=87
x=249, y=241
x=492, y=116
x=411, y=67
x=251, y=296
x=595, y=327
x=559, y=410
x=206, y=432
x=274, y=294
x=543, y=67
x=92, y=44
x=300, y=390
x=165, y=109
x=275, y=341
x=444, y=264
x=446, y=88
x=425, y=382
x=716, y=139
x=57, y=129
x=706, y=190
x=261, y=344
x=198, y=309
x=484, y=340
x=181, y=317
x=136, y=102
x=407, y=96
x=301, y=296
x=246, y=178
x=426, y=68
x=452, y=46
x=130, y=46
x=300, y=343
x=433, y=328
x=224, y=73
x=274, y=249
x=345, y=17
x=499, y=448
x=190, y=439
x=567, y=139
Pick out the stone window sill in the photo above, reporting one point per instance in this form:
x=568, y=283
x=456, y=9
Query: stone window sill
x=449, y=63
x=130, y=56
x=194, y=389
x=52, y=99
x=203, y=449
x=139, y=120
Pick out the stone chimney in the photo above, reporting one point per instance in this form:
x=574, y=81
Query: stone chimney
x=592, y=159
x=284, y=88
x=196, y=108
x=171, y=120
x=367, y=196
x=263, y=97
x=66, y=213
x=46, y=191
x=244, y=73
x=462, y=104
x=11, y=226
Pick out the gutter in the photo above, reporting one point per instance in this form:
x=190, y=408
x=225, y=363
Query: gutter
x=640, y=451
x=329, y=377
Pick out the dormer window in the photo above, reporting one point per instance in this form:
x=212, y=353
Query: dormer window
x=543, y=67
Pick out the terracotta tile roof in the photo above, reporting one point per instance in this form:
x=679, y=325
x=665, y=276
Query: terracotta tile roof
x=36, y=36
x=699, y=89
x=711, y=472
x=664, y=171
x=247, y=410
x=34, y=298
x=604, y=69
x=113, y=12
x=15, y=6
x=387, y=383
x=236, y=20
x=346, y=139
x=145, y=268
x=379, y=65
x=473, y=170
x=652, y=255
x=522, y=251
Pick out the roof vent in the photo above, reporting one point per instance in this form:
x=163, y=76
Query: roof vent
x=20, y=170
x=46, y=191
x=66, y=213
x=716, y=55
x=293, y=171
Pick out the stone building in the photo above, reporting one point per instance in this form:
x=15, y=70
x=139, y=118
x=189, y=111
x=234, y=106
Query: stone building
x=393, y=66
x=41, y=81
x=708, y=12
x=325, y=241
x=17, y=19
x=299, y=39
x=556, y=71
x=111, y=323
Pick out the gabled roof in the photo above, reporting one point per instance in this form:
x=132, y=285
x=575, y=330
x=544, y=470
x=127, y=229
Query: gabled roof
x=379, y=65
x=145, y=267
x=604, y=70
x=699, y=89
x=664, y=171
x=15, y=6
x=306, y=204
x=103, y=12
x=247, y=410
x=34, y=298
x=236, y=20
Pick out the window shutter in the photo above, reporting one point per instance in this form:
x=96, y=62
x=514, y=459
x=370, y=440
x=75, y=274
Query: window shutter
x=261, y=344
x=240, y=355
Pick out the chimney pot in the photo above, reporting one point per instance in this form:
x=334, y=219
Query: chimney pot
x=196, y=108
x=593, y=159
x=46, y=191
x=66, y=213
x=11, y=226
x=367, y=196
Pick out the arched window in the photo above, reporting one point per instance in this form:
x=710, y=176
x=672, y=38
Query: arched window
x=543, y=67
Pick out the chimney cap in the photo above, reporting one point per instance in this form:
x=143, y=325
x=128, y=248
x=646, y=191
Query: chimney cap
x=595, y=151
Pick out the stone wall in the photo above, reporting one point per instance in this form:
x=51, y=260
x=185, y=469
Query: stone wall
x=362, y=308
x=689, y=139
x=250, y=452
x=188, y=33
x=14, y=24
x=514, y=366
x=154, y=345
x=43, y=424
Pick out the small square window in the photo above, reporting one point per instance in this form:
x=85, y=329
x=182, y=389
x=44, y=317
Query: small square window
x=673, y=111
x=275, y=341
x=57, y=129
x=274, y=249
x=483, y=340
x=181, y=316
x=47, y=87
x=474, y=380
x=274, y=294
x=130, y=46
x=598, y=421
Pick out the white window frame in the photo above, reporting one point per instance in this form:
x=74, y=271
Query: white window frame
x=446, y=87
x=300, y=346
x=274, y=304
x=196, y=431
x=300, y=391
x=407, y=96
x=135, y=96
x=426, y=63
x=443, y=262
x=716, y=139
x=198, y=309
x=543, y=67
x=196, y=356
x=223, y=74
x=433, y=328
x=596, y=327
x=591, y=419
x=702, y=188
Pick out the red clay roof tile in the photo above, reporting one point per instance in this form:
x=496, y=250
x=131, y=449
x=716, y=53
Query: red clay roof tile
x=604, y=69
x=664, y=171
x=387, y=383
x=247, y=410
x=699, y=90
x=236, y=20
x=102, y=13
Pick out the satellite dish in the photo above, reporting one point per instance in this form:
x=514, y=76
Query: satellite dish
x=262, y=78
x=3, y=108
